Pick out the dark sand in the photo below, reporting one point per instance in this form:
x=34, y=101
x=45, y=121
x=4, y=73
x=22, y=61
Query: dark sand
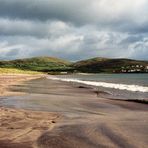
x=88, y=121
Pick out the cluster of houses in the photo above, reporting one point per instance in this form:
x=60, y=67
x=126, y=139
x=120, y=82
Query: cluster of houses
x=134, y=69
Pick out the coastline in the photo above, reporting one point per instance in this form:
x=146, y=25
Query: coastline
x=9, y=79
x=88, y=121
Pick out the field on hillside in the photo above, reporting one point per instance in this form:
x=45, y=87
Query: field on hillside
x=41, y=64
x=94, y=65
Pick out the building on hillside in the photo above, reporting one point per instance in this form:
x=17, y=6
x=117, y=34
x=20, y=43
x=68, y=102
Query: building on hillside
x=146, y=68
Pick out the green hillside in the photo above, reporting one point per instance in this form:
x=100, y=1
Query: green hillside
x=44, y=64
x=96, y=65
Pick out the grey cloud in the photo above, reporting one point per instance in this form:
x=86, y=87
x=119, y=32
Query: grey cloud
x=13, y=52
x=74, y=46
x=113, y=14
x=73, y=29
x=41, y=9
x=32, y=28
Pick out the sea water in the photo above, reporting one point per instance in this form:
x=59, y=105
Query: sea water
x=121, y=86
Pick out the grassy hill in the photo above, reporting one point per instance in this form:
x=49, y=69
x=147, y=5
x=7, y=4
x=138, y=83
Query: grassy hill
x=106, y=65
x=94, y=65
x=43, y=64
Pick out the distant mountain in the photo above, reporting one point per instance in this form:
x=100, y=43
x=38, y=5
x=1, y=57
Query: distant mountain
x=98, y=64
x=94, y=65
x=43, y=64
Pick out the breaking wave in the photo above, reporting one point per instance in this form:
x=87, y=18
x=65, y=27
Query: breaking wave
x=133, y=88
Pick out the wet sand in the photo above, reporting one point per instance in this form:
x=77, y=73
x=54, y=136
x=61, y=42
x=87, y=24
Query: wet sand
x=86, y=120
x=21, y=128
x=6, y=80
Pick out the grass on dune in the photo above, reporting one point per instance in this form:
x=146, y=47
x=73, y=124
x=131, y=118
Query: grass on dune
x=17, y=71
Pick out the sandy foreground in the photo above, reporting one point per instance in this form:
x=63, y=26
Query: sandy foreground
x=21, y=128
x=82, y=118
x=7, y=80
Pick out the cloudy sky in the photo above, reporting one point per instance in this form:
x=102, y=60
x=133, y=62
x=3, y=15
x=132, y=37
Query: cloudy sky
x=74, y=29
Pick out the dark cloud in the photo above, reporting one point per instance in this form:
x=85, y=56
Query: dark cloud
x=74, y=29
x=42, y=9
x=31, y=28
x=103, y=13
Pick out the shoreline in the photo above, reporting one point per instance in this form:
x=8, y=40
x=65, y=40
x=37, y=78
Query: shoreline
x=8, y=80
x=101, y=93
x=82, y=119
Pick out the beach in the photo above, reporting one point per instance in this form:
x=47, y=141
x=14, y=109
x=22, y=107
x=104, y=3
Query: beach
x=21, y=128
x=44, y=113
x=6, y=80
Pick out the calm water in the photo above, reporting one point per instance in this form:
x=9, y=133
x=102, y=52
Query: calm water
x=122, y=86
